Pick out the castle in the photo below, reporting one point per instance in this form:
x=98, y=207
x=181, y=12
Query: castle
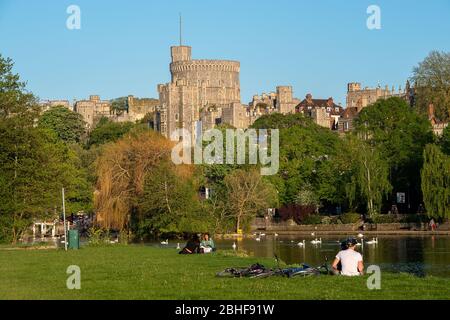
x=93, y=109
x=206, y=93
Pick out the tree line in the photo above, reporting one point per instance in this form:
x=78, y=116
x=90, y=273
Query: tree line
x=123, y=173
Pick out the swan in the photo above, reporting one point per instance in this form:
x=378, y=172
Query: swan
x=165, y=243
x=317, y=241
x=234, y=246
x=178, y=246
x=360, y=235
x=276, y=234
x=301, y=244
x=373, y=241
x=258, y=238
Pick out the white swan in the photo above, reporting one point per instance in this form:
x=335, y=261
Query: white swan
x=234, y=246
x=316, y=241
x=301, y=244
x=276, y=234
x=165, y=243
x=373, y=241
x=360, y=235
x=258, y=238
x=178, y=246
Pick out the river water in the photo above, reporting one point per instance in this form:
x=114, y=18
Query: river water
x=422, y=256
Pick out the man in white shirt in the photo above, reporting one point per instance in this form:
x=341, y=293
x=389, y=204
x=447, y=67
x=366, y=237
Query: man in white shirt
x=351, y=261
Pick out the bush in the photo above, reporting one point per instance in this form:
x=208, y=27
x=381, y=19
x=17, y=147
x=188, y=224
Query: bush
x=350, y=218
x=312, y=219
x=384, y=218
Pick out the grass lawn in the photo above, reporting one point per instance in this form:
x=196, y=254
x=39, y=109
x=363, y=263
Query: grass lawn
x=138, y=272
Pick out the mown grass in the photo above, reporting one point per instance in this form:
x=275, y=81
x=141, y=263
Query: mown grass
x=139, y=272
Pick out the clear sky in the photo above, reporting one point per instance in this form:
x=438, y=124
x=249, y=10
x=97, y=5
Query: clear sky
x=123, y=46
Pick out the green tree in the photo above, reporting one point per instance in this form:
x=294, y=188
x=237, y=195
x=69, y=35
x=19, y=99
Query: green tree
x=368, y=174
x=436, y=182
x=68, y=125
x=432, y=84
x=399, y=134
x=108, y=131
x=35, y=163
x=445, y=141
x=307, y=158
x=170, y=203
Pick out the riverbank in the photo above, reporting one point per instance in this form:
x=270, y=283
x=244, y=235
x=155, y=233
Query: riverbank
x=142, y=272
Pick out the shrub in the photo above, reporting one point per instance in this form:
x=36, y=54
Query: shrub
x=327, y=220
x=312, y=219
x=350, y=218
x=384, y=218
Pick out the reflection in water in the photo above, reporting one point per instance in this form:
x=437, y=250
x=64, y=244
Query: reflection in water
x=418, y=255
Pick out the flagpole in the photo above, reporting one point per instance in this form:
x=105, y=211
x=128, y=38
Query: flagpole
x=64, y=219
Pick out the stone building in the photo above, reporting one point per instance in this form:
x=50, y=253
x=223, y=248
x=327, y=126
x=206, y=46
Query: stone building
x=360, y=98
x=47, y=104
x=93, y=109
x=136, y=109
x=437, y=125
x=282, y=101
x=324, y=112
x=196, y=86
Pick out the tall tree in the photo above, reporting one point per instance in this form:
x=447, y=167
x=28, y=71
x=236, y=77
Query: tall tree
x=247, y=194
x=35, y=164
x=436, y=182
x=368, y=174
x=432, y=84
x=170, y=203
x=399, y=134
x=68, y=125
x=121, y=171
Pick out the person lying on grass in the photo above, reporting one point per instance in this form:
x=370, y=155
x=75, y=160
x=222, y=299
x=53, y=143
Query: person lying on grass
x=348, y=262
x=207, y=245
x=192, y=246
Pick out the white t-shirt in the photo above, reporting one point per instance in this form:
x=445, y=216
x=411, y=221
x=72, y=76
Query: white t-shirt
x=349, y=260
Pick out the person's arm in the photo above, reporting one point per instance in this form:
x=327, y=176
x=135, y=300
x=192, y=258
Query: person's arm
x=361, y=267
x=335, y=264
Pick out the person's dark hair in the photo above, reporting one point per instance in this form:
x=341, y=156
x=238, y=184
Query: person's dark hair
x=351, y=242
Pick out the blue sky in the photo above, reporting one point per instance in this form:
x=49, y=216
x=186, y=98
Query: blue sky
x=123, y=46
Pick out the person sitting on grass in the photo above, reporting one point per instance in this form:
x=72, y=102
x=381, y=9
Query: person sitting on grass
x=350, y=261
x=207, y=245
x=192, y=246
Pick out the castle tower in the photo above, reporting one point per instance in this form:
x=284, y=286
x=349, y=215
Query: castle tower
x=285, y=102
x=181, y=53
x=353, y=86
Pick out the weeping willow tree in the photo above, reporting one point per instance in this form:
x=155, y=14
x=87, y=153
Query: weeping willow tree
x=121, y=171
x=436, y=182
x=370, y=173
